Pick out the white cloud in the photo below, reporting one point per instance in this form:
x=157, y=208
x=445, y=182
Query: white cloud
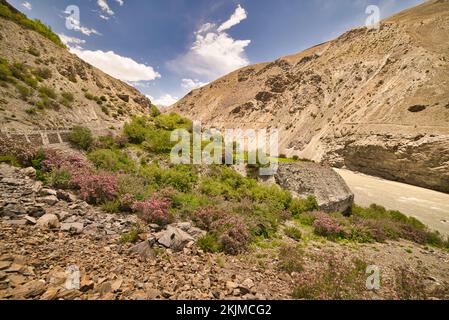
x=76, y=26
x=238, y=16
x=120, y=2
x=214, y=52
x=123, y=68
x=163, y=101
x=191, y=84
x=27, y=5
x=71, y=40
x=102, y=16
x=104, y=6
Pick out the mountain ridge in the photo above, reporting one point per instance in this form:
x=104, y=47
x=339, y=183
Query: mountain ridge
x=45, y=87
x=374, y=101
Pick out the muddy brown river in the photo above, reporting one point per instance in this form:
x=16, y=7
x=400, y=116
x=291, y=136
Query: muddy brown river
x=430, y=207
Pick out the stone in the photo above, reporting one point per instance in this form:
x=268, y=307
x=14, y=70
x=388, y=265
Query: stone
x=304, y=179
x=51, y=294
x=20, y=222
x=5, y=265
x=29, y=172
x=48, y=192
x=248, y=283
x=73, y=228
x=48, y=221
x=11, y=181
x=174, y=238
x=50, y=200
x=12, y=210
x=29, y=290
x=30, y=220
x=65, y=196
x=231, y=285
x=144, y=250
x=116, y=285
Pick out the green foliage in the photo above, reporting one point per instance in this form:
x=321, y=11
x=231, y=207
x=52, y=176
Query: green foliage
x=154, y=111
x=89, y=96
x=293, y=233
x=43, y=73
x=209, y=243
x=31, y=111
x=187, y=203
x=5, y=72
x=24, y=92
x=112, y=206
x=35, y=25
x=291, y=259
x=67, y=99
x=10, y=159
x=300, y=206
x=58, y=178
x=132, y=236
x=33, y=51
x=81, y=138
x=47, y=92
x=179, y=177
x=112, y=160
x=171, y=122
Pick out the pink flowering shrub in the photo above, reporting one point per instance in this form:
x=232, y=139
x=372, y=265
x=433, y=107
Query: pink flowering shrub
x=97, y=188
x=23, y=153
x=232, y=232
x=154, y=210
x=74, y=163
x=235, y=236
x=205, y=218
x=327, y=226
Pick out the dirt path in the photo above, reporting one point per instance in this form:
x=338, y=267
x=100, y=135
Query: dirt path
x=431, y=207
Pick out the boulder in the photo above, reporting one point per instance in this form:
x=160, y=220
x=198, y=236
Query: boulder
x=29, y=172
x=144, y=250
x=48, y=221
x=304, y=179
x=174, y=238
x=73, y=228
x=50, y=200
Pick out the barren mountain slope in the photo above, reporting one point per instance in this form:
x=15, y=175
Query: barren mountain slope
x=375, y=101
x=99, y=100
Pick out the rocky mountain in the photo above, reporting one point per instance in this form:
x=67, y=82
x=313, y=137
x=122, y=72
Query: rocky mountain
x=43, y=86
x=374, y=101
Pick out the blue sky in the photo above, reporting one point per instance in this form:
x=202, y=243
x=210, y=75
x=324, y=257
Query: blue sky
x=166, y=48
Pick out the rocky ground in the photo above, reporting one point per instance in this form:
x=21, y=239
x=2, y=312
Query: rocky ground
x=54, y=246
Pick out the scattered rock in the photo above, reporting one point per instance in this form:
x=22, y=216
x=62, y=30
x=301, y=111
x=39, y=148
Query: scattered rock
x=50, y=200
x=48, y=221
x=174, y=238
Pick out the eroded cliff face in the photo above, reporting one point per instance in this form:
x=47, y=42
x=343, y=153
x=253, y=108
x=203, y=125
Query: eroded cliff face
x=376, y=101
x=99, y=102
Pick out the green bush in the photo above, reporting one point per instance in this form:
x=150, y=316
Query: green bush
x=58, y=179
x=43, y=73
x=81, y=138
x=300, y=206
x=67, y=99
x=10, y=159
x=171, y=122
x=47, y=92
x=112, y=206
x=291, y=259
x=89, y=96
x=33, y=51
x=112, y=160
x=35, y=25
x=5, y=72
x=209, y=243
x=24, y=92
x=293, y=233
x=132, y=236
